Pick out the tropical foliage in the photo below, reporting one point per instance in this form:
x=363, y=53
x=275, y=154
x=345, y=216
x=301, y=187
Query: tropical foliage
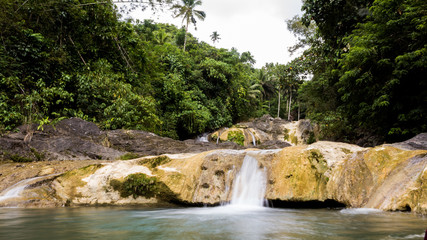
x=368, y=60
x=78, y=59
x=361, y=74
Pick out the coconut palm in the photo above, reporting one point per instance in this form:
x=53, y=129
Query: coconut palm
x=215, y=37
x=188, y=13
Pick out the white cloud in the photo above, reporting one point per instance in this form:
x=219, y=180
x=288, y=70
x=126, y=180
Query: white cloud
x=257, y=26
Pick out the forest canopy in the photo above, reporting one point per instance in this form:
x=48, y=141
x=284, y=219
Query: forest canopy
x=79, y=58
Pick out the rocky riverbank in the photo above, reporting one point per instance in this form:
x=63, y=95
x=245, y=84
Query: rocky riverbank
x=387, y=177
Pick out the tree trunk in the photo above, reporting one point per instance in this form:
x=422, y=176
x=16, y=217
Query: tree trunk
x=278, y=105
x=290, y=102
x=287, y=104
x=185, y=37
x=299, y=113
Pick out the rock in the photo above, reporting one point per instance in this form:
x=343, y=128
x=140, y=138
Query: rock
x=273, y=144
x=415, y=143
x=47, y=170
x=384, y=177
x=269, y=132
x=77, y=127
x=76, y=139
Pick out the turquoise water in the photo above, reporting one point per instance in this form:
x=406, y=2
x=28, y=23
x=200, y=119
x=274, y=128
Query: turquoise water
x=208, y=223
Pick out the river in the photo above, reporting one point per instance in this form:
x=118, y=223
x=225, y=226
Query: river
x=208, y=223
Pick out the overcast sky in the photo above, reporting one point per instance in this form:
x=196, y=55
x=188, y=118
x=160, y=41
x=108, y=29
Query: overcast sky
x=258, y=26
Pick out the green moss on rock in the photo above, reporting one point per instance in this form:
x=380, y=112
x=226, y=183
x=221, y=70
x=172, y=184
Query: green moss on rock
x=286, y=134
x=129, y=156
x=156, y=161
x=140, y=184
x=236, y=137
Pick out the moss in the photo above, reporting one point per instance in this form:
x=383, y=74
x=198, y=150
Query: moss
x=38, y=155
x=236, y=137
x=139, y=184
x=154, y=162
x=317, y=161
x=73, y=179
x=294, y=139
x=311, y=138
x=19, y=158
x=345, y=150
x=286, y=134
x=136, y=185
x=129, y=156
x=214, y=137
x=33, y=156
x=81, y=172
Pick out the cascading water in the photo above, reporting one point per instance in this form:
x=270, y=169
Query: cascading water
x=15, y=190
x=250, y=183
x=253, y=138
x=202, y=138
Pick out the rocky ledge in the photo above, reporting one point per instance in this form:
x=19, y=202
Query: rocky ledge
x=387, y=177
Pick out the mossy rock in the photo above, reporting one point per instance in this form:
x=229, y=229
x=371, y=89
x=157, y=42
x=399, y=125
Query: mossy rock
x=286, y=134
x=73, y=179
x=129, y=156
x=140, y=184
x=294, y=139
x=32, y=156
x=236, y=137
x=154, y=162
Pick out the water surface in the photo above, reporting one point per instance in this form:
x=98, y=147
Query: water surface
x=208, y=223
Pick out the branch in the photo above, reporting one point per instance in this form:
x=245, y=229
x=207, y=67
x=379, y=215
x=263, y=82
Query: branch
x=77, y=49
x=21, y=6
x=123, y=54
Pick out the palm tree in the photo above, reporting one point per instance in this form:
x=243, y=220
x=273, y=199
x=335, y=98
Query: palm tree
x=215, y=37
x=188, y=13
x=161, y=36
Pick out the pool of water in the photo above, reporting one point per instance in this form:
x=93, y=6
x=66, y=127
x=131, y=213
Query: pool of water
x=208, y=223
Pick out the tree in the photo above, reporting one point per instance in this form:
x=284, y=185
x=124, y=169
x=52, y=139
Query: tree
x=215, y=37
x=383, y=83
x=188, y=13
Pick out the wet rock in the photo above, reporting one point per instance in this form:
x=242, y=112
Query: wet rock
x=384, y=177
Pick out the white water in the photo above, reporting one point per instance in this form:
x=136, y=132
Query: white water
x=15, y=190
x=202, y=138
x=249, y=185
x=253, y=138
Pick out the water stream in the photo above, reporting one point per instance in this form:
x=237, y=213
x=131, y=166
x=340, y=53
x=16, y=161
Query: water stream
x=253, y=138
x=15, y=190
x=249, y=184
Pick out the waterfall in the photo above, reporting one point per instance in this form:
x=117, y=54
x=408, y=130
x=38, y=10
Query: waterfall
x=202, y=138
x=253, y=138
x=250, y=183
x=217, y=140
x=15, y=190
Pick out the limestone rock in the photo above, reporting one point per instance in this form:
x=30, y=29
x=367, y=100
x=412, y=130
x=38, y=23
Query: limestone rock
x=384, y=177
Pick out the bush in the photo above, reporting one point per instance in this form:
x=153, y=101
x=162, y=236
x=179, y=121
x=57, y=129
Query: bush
x=137, y=184
x=237, y=137
x=311, y=138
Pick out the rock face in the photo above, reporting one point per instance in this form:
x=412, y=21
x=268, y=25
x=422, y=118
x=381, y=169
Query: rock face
x=268, y=133
x=76, y=139
x=384, y=177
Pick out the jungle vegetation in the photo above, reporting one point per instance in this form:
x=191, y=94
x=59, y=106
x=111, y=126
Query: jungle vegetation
x=361, y=71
